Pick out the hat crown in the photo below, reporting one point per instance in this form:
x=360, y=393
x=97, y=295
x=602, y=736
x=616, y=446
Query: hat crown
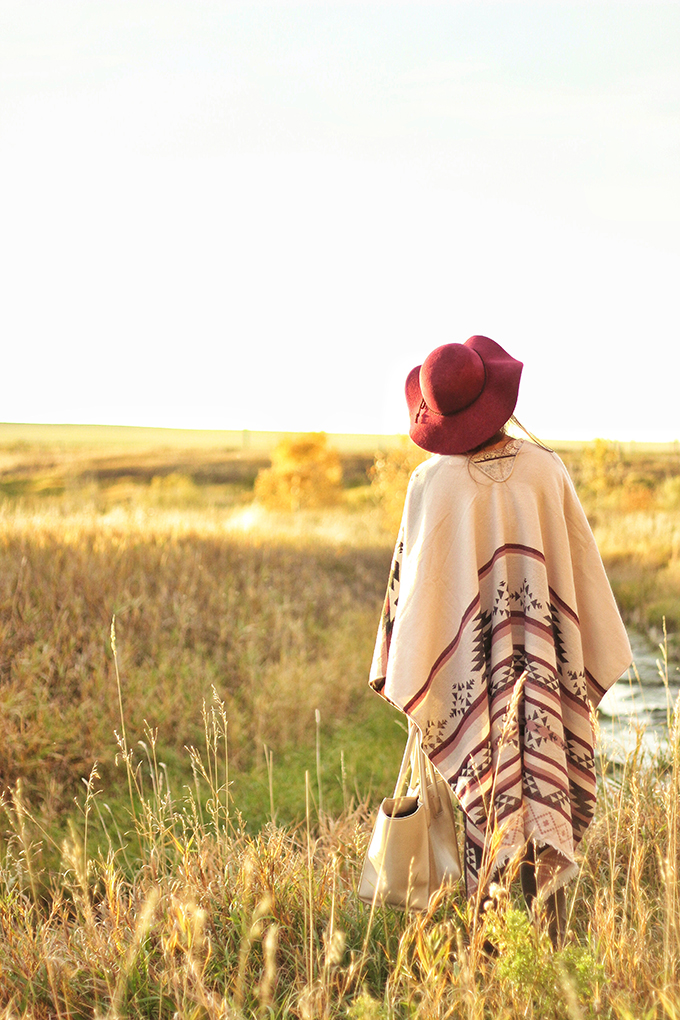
x=451, y=378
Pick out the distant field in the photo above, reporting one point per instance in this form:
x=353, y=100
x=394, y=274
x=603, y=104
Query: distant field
x=233, y=440
x=70, y=436
x=113, y=463
x=50, y=458
x=630, y=491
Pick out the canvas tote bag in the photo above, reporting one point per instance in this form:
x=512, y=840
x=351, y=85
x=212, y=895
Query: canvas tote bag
x=413, y=849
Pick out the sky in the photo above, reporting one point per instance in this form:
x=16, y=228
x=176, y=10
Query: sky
x=263, y=215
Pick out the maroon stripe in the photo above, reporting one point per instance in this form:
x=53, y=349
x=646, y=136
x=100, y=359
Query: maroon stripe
x=588, y=774
x=533, y=624
x=531, y=659
x=577, y=705
x=549, y=761
x=511, y=780
x=515, y=780
x=543, y=662
x=583, y=814
x=539, y=684
x=476, y=749
x=585, y=808
x=529, y=683
x=502, y=710
x=499, y=714
x=569, y=735
x=556, y=712
x=579, y=824
x=465, y=721
x=482, y=797
x=564, y=607
x=445, y=655
x=470, y=838
x=529, y=662
x=584, y=796
x=530, y=621
x=550, y=780
x=499, y=665
x=510, y=547
x=591, y=680
x=504, y=625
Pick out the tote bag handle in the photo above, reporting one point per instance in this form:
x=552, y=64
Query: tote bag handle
x=420, y=764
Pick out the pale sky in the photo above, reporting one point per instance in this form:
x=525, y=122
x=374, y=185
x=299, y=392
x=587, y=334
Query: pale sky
x=262, y=215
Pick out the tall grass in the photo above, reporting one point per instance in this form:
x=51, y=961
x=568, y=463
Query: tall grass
x=209, y=867
x=185, y=914
x=279, y=626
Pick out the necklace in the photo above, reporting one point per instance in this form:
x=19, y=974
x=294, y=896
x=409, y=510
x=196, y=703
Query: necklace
x=498, y=461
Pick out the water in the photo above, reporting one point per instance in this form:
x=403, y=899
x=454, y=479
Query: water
x=639, y=703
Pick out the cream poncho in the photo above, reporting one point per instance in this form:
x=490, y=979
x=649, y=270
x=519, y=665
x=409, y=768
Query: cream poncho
x=499, y=631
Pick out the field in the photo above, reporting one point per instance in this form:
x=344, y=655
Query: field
x=191, y=754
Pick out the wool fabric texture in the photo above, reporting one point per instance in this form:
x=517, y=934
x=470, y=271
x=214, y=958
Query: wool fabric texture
x=461, y=395
x=498, y=636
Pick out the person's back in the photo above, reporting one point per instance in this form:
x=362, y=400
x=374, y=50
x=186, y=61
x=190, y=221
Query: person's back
x=499, y=631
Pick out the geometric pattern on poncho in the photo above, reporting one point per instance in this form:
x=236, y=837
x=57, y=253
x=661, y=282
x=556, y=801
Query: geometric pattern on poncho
x=486, y=653
x=513, y=736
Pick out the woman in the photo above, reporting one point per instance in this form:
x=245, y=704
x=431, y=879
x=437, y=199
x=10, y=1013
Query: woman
x=499, y=632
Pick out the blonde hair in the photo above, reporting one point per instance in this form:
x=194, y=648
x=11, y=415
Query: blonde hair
x=502, y=431
x=514, y=420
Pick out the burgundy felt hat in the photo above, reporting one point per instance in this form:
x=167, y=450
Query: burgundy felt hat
x=461, y=395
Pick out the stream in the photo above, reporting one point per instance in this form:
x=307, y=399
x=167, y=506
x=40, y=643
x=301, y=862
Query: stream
x=639, y=702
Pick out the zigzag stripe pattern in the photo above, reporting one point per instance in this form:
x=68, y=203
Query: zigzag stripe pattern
x=506, y=632
x=505, y=717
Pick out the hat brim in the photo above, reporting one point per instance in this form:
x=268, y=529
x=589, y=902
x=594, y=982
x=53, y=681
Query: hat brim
x=464, y=430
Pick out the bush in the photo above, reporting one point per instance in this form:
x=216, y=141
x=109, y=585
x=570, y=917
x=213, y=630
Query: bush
x=174, y=489
x=664, y=612
x=600, y=467
x=304, y=473
x=669, y=493
x=389, y=480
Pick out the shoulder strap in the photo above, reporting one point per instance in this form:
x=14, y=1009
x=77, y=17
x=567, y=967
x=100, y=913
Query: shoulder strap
x=419, y=763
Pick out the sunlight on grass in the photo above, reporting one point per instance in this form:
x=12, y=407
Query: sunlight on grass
x=209, y=868
x=189, y=915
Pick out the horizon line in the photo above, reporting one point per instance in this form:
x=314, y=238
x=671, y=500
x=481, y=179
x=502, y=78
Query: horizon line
x=245, y=432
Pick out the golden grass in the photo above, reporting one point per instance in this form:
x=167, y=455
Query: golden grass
x=202, y=598
x=208, y=921
x=160, y=901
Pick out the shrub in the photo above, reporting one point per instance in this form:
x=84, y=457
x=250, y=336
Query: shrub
x=304, y=473
x=669, y=493
x=175, y=489
x=600, y=466
x=389, y=479
x=637, y=494
x=664, y=612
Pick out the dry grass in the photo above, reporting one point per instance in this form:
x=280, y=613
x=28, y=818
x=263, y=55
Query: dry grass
x=641, y=551
x=202, y=598
x=210, y=922
x=156, y=900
